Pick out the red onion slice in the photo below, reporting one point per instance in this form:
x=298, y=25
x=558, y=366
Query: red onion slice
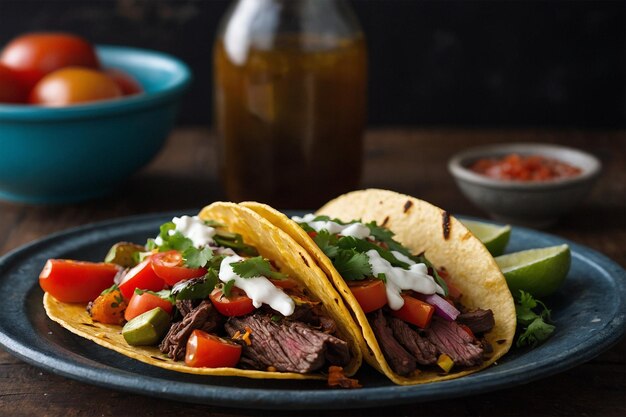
x=442, y=307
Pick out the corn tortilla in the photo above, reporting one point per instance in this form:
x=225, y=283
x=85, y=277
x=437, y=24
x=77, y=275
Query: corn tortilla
x=421, y=227
x=272, y=243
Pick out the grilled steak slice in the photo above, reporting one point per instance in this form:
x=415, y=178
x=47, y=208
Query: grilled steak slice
x=184, y=306
x=203, y=317
x=288, y=346
x=401, y=361
x=479, y=320
x=451, y=339
x=424, y=351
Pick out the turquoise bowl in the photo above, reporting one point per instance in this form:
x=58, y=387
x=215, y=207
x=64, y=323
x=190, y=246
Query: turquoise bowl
x=61, y=155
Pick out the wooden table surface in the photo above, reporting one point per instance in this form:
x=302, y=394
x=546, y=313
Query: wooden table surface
x=413, y=161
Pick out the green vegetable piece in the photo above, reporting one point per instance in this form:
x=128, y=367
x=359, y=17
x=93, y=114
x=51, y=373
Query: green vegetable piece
x=195, y=288
x=147, y=329
x=123, y=254
x=255, y=267
x=535, y=329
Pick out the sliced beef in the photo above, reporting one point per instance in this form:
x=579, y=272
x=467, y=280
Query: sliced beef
x=401, y=361
x=184, y=306
x=421, y=348
x=288, y=346
x=311, y=315
x=449, y=338
x=479, y=320
x=203, y=317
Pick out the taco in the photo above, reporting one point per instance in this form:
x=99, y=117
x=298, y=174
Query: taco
x=429, y=300
x=292, y=325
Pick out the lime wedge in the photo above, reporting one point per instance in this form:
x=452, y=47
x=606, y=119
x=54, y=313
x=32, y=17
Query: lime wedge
x=537, y=271
x=495, y=238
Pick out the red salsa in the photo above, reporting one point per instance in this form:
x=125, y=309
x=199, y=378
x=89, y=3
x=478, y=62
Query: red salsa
x=524, y=168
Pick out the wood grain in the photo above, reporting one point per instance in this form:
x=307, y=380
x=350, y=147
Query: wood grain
x=413, y=161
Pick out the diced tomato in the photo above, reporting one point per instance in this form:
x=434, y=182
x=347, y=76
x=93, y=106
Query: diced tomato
x=76, y=282
x=237, y=304
x=169, y=267
x=140, y=303
x=312, y=234
x=205, y=350
x=143, y=277
x=369, y=293
x=415, y=311
x=108, y=308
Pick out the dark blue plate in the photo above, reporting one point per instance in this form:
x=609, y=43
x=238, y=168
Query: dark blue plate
x=588, y=312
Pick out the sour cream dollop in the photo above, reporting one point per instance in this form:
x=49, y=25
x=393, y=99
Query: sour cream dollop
x=259, y=289
x=356, y=229
x=192, y=228
x=415, y=278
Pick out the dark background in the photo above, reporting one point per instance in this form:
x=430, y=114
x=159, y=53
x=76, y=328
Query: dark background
x=432, y=63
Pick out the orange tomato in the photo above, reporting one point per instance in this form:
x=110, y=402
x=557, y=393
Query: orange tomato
x=74, y=85
x=415, y=311
x=369, y=293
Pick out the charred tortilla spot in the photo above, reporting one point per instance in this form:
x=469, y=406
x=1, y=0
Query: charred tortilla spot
x=158, y=359
x=407, y=206
x=380, y=202
x=466, y=236
x=446, y=225
x=89, y=324
x=384, y=223
x=304, y=259
x=501, y=341
x=336, y=301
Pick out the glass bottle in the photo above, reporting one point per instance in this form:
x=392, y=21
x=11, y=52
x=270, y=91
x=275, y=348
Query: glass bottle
x=290, y=99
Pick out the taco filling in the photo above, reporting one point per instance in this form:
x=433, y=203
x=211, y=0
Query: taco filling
x=416, y=314
x=206, y=298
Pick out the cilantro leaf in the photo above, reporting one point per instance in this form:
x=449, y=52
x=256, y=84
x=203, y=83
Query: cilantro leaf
x=352, y=265
x=536, y=330
x=195, y=288
x=362, y=245
x=164, y=294
x=255, y=267
x=227, y=288
x=197, y=258
x=327, y=243
x=112, y=288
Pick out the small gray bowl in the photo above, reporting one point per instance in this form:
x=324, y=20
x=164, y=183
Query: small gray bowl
x=528, y=203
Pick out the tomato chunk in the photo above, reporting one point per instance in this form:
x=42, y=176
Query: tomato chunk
x=140, y=303
x=205, y=350
x=169, y=267
x=415, y=311
x=75, y=281
x=237, y=304
x=143, y=277
x=369, y=293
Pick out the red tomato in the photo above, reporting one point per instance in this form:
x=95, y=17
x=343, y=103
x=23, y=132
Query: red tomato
x=169, y=267
x=127, y=84
x=35, y=55
x=74, y=85
x=369, y=293
x=238, y=304
x=312, y=234
x=415, y=311
x=11, y=88
x=140, y=303
x=76, y=282
x=143, y=277
x=205, y=350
